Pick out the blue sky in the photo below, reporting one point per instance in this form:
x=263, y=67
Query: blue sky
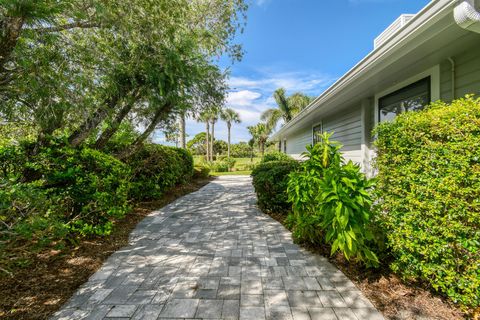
x=301, y=45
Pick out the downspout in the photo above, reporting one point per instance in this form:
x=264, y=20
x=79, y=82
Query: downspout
x=467, y=16
x=452, y=62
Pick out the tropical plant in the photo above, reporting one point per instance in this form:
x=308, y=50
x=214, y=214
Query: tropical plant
x=260, y=134
x=331, y=202
x=287, y=107
x=229, y=116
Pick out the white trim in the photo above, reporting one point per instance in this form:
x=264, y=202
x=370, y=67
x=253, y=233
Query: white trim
x=433, y=73
x=316, y=125
x=365, y=139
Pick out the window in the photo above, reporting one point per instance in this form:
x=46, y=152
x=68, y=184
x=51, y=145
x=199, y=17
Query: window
x=280, y=146
x=316, y=132
x=285, y=146
x=410, y=98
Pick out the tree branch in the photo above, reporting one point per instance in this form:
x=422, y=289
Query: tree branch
x=68, y=26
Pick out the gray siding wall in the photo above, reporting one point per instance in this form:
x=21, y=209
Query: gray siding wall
x=467, y=74
x=347, y=128
x=296, y=142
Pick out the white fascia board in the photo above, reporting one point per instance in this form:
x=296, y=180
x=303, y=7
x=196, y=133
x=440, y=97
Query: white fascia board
x=421, y=22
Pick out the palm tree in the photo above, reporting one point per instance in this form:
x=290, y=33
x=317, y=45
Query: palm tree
x=205, y=117
x=288, y=107
x=230, y=116
x=260, y=134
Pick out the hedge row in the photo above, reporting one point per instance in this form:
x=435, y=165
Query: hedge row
x=429, y=196
x=61, y=191
x=270, y=181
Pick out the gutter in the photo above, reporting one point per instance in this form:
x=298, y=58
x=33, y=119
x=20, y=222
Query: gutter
x=418, y=21
x=467, y=16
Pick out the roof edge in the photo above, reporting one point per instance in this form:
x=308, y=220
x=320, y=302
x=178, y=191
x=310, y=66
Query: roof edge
x=414, y=25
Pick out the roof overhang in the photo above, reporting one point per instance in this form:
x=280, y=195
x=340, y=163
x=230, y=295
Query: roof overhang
x=416, y=44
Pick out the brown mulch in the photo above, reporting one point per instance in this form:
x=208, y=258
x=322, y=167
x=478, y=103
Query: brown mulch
x=37, y=291
x=390, y=295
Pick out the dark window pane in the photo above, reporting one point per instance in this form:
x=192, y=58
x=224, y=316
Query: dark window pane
x=316, y=132
x=411, y=98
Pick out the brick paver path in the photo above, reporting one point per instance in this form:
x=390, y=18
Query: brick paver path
x=213, y=255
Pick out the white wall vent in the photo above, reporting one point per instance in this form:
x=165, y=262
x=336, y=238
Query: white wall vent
x=394, y=27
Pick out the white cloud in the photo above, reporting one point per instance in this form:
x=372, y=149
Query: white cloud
x=242, y=97
x=294, y=81
x=253, y=94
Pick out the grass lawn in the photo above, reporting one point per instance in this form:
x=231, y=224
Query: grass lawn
x=243, y=166
x=233, y=173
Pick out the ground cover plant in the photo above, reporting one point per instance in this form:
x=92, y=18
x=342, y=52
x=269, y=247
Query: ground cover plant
x=428, y=196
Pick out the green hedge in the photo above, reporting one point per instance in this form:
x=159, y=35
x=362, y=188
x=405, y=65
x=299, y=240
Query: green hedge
x=157, y=168
x=82, y=189
x=429, y=196
x=276, y=156
x=270, y=181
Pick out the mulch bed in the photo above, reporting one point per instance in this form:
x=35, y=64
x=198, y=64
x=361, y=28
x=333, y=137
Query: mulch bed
x=37, y=291
x=390, y=295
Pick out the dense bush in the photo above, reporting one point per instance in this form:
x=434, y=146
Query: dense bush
x=331, y=202
x=82, y=190
x=429, y=196
x=276, y=156
x=157, y=168
x=270, y=181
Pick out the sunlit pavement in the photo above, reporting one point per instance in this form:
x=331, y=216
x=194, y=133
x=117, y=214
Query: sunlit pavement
x=213, y=255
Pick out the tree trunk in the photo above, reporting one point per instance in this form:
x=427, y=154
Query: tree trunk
x=207, y=140
x=10, y=27
x=161, y=114
x=229, y=126
x=108, y=133
x=212, y=138
x=93, y=121
x=183, y=138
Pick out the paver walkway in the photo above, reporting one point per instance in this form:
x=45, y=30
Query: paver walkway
x=213, y=255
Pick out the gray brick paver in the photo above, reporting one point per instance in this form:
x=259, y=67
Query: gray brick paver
x=212, y=254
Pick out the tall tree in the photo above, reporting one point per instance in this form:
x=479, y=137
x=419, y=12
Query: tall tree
x=287, y=107
x=229, y=116
x=205, y=118
x=182, y=130
x=260, y=133
x=88, y=66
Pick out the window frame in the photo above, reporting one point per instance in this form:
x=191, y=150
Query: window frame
x=318, y=124
x=433, y=73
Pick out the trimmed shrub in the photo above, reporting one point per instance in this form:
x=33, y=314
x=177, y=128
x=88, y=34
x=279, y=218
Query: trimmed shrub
x=428, y=196
x=276, y=156
x=270, y=181
x=331, y=203
x=201, y=172
x=157, y=168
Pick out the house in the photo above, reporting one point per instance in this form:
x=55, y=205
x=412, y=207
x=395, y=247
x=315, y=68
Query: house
x=434, y=54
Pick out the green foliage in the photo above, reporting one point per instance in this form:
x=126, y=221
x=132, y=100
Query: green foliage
x=275, y=156
x=270, y=181
x=240, y=150
x=201, y=172
x=331, y=202
x=428, y=196
x=80, y=190
x=157, y=168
